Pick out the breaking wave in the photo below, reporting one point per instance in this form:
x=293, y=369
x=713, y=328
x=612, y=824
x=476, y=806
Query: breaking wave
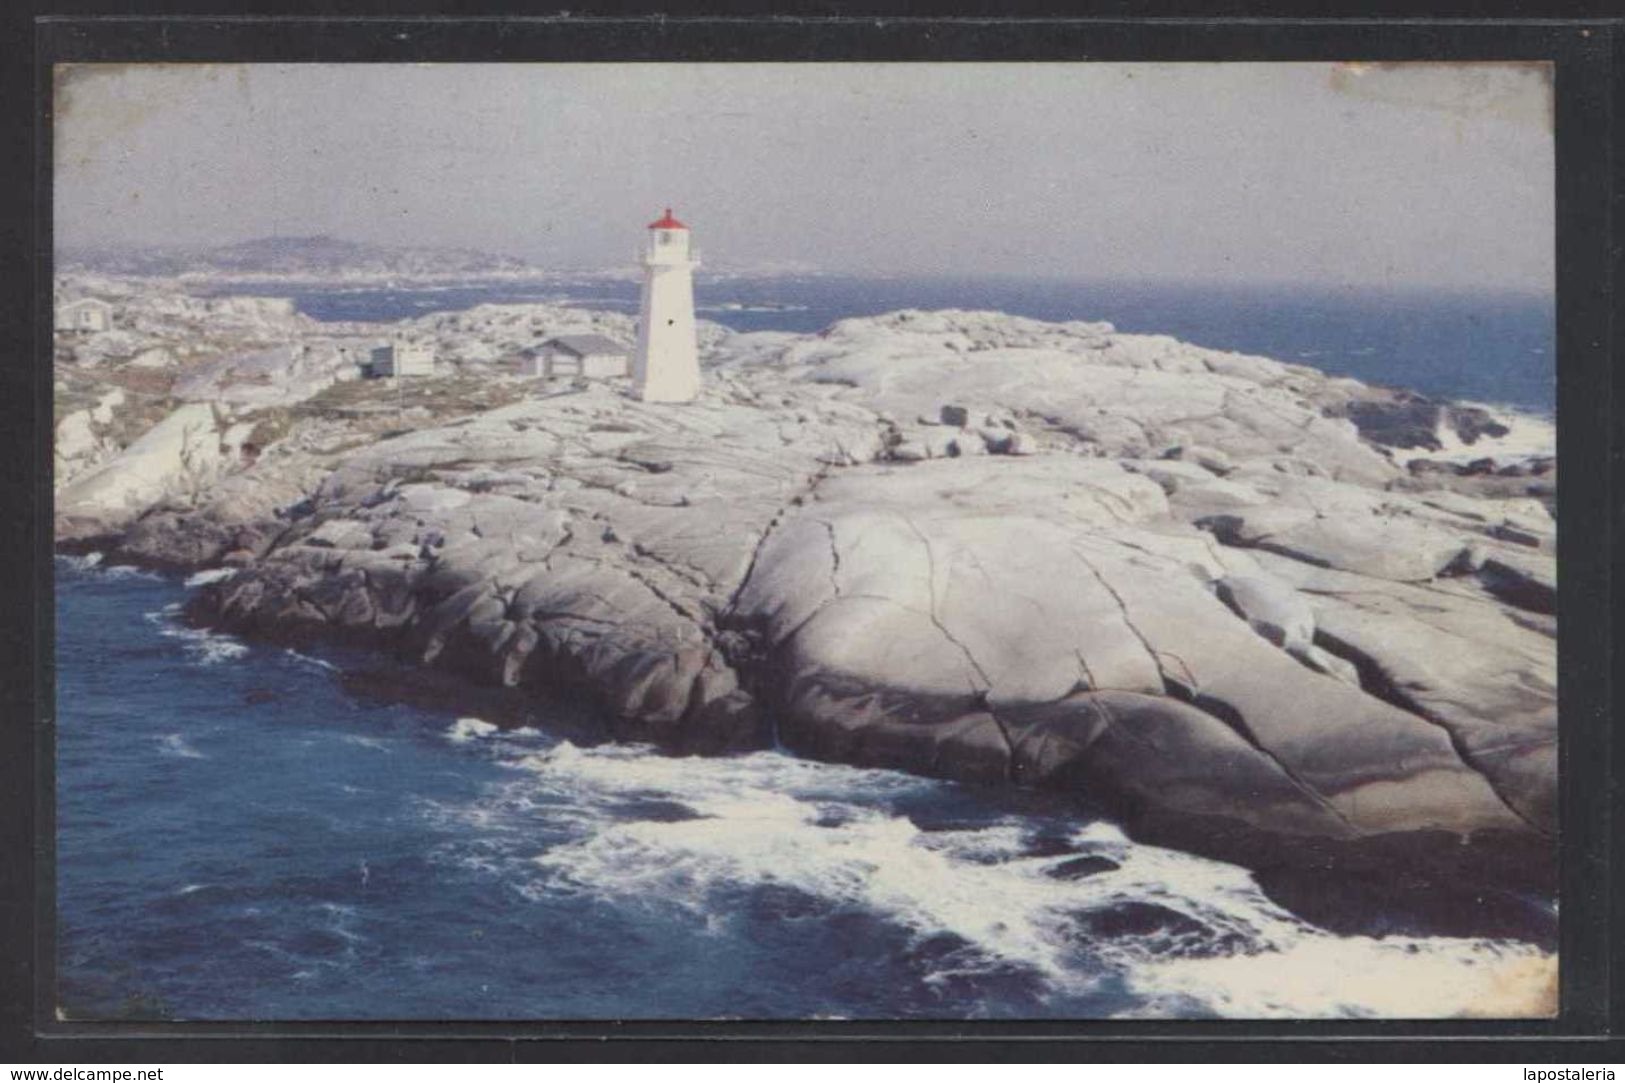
x=1530, y=435
x=468, y=729
x=95, y=563
x=205, y=648
x=122, y=571
x=1081, y=912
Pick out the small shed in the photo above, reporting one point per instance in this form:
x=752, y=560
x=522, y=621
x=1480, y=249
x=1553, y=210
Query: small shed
x=88, y=314
x=400, y=358
x=594, y=356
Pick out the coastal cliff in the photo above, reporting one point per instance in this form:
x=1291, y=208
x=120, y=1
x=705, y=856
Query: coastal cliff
x=1232, y=601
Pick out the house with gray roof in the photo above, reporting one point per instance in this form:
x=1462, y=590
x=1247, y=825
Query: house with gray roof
x=593, y=356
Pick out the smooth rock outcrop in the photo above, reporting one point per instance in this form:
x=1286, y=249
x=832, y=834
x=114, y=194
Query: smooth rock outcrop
x=1157, y=576
x=178, y=457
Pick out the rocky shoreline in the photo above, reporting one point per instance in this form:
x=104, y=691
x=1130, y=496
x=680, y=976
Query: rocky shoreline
x=1230, y=601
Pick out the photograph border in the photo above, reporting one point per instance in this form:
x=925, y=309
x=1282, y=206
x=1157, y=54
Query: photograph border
x=1586, y=57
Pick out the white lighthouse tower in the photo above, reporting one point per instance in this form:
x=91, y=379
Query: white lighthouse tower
x=667, y=365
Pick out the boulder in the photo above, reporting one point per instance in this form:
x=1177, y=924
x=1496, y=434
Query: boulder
x=175, y=458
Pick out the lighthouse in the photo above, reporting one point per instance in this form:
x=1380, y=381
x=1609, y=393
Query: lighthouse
x=666, y=367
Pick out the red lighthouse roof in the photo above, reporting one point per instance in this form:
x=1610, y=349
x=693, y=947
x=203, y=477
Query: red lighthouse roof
x=667, y=222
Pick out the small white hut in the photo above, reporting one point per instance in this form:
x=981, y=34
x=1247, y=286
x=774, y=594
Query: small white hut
x=593, y=356
x=88, y=314
x=401, y=358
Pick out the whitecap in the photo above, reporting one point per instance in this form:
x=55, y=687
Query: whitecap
x=126, y=571
x=209, y=648
x=210, y=575
x=361, y=741
x=341, y=918
x=80, y=562
x=205, y=647
x=1529, y=436
x=166, y=615
x=467, y=729
x=308, y=660
x=173, y=744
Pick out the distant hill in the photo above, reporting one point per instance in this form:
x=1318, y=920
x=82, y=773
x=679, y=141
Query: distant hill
x=319, y=256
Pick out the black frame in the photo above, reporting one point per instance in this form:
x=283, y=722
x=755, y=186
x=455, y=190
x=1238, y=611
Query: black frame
x=1587, y=57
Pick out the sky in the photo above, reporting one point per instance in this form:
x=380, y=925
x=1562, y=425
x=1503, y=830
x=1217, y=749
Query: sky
x=1352, y=174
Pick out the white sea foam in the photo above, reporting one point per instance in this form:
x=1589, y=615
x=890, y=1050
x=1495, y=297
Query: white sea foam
x=210, y=575
x=308, y=660
x=1214, y=945
x=340, y=919
x=173, y=744
x=1320, y=975
x=468, y=729
x=205, y=647
x=375, y=743
x=166, y=615
x=124, y=571
x=1529, y=436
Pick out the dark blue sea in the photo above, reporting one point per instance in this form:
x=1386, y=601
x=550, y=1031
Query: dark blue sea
x=245, y=834
x=1482, y=347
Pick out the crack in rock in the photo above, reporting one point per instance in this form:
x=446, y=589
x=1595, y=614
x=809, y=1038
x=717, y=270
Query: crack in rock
x=1379, y=684
x=1122, y=608
x=936, y=620
x=1209, y=705
x=767, y=533
x=1088, y=674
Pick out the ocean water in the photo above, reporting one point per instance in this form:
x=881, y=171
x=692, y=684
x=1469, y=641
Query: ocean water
x=242, y=837
x=1482, y=347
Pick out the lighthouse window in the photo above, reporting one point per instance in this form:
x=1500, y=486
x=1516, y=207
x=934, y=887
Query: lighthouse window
x=665, y=237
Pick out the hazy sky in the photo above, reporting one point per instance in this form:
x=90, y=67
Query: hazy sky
x=1407, y=175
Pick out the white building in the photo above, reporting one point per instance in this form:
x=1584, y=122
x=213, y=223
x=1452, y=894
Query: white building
x=401, y=358
x=666, y=367
x=593, y=356
x=89, y=314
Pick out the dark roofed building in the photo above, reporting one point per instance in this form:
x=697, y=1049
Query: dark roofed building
x=593, y=356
